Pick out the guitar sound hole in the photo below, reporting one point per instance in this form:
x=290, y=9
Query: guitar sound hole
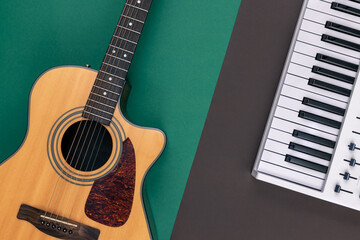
x=86, y=145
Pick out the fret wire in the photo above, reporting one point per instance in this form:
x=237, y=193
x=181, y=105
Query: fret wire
x=122, y=32
x=133, y=19
x=115, y=67
x=107, y=90
x=102, y=103
x=88, y=117
x=118, y=58
x=144, y=4
x=97, y=115
x=98, y=109
x=114, y=84
x=103, y=97
x=121, y=49
x=136, y=7
x=125, y=39
x=112, y=75
x=129, y=29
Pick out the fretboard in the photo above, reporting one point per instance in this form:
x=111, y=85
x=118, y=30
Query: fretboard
x=110, y=80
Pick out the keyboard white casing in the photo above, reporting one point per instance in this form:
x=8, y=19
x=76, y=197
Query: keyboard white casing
x=319, y=185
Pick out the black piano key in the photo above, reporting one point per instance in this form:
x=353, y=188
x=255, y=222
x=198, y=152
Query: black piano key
x=346, y=9
x=323, y=106
x=319, y=119
x=309, y=151
x=305, y=163
x=342, y=29
x=340, y=42
x=337, y=62
x=312, y=138
x=329, y=87
x=357, y=1
x=332, y=74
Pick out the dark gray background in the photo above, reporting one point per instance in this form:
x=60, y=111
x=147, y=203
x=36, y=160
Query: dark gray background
x=222, y=200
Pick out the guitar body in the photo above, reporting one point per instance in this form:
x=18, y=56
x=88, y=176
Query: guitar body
x=38, y=175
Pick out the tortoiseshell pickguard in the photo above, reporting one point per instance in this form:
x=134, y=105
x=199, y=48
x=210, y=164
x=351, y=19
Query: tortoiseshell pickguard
x=111, y=197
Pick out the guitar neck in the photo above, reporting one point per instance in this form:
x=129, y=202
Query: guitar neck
x=110, y=80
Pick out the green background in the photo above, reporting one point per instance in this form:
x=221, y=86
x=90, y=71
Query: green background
x=173, y=75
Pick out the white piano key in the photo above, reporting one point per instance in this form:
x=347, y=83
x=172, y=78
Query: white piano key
x=293, y=117
x=325, y=7
x=279, y=159
x=300, y=94
x=289, y=127
x=322, y=18
x=311, y=50
x=286, y=138
x=319, y=29
x=315, y=40
x=282, y=148
x=289, y=175
x=311, y=61
x=302, y=83
x=297, y=106
x=306, y=73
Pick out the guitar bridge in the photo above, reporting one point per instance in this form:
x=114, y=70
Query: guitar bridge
x=58, y=227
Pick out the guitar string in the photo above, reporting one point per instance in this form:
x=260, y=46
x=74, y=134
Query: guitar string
x=63, y=190
x=92, y=135
x=77, y=145
x=71, y=147
x=93, y=149
x=56, y=185
x=72, y=159
x=97, y=152
x=64, y=181
x=113, y=62
x=131, y=15
x=116, y=65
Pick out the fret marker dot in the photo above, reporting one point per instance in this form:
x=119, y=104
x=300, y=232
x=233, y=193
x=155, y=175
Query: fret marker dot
x=138, y=1
x=110, y=78
x=130, y=23
x=125, y=55
x=105, y=93
x=113, y=51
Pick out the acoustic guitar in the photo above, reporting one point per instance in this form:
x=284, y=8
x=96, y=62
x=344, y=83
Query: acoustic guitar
x=79, y=172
